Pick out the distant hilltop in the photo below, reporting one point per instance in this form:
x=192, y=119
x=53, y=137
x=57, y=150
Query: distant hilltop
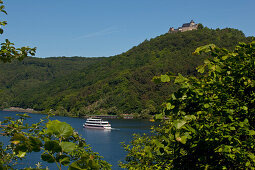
x=185, y=27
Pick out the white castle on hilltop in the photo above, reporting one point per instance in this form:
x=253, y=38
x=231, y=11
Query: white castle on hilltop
x=185, y=27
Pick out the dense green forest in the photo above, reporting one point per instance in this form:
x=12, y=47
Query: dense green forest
x=77, y=86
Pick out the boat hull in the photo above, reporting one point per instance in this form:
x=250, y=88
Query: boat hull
x=96, y=127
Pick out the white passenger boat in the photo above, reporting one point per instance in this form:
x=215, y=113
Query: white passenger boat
x=96, y=123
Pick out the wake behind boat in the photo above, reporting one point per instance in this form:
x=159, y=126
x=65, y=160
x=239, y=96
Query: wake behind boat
x=97, y=123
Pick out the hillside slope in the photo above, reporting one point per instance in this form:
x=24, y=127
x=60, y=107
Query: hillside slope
x=117, y=84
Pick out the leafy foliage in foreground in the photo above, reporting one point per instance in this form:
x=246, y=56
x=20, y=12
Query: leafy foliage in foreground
x=210, y=119
x=58, y=141
x=110, y=85
x=8, y=52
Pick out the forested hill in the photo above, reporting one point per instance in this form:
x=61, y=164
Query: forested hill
x=113, y=85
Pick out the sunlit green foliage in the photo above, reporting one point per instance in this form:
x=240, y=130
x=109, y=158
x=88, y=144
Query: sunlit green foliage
x=210, y=119
x=58, y=141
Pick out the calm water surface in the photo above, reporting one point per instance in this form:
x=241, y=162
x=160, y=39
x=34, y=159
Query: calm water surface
x=106, y=143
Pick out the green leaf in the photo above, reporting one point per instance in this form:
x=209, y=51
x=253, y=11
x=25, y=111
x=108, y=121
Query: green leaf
x=252, y=156
x=60, y=129
x=183, y=139
x=19, y=137
x=21, y=154
x=201, y=69
x=180, y=79
x=189, y=117
x=63, y=159
x=218, y=68
x=179, y=123
x=159, y=116
x=165, y=78
x=225, y=57
x=169, y=106
x=67, y=146
x=206, y=105
x=47, y=157
x=206, y=49
x=232, y=128
x=227, y=148
x=78, y=165
x=245, y=108
x=251, y=132
x=65, y=130
x=248, y=164
x=35, y=143
x=52, y=146
x=206, y=61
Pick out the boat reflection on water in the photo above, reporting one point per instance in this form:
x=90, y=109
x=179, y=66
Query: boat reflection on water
x=97, y=136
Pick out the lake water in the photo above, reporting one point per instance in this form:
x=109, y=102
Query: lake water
x=106, y=143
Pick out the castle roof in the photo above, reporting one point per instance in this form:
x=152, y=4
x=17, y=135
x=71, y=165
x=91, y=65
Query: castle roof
x=186, y=25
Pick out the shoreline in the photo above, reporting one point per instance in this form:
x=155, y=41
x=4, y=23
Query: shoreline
x=18, y=109
x=29, y=110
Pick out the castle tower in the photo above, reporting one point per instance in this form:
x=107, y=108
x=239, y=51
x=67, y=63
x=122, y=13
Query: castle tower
x=192, y=23
x=171, y=30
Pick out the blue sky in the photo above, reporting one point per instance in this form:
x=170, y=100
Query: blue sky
x=96, y=28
